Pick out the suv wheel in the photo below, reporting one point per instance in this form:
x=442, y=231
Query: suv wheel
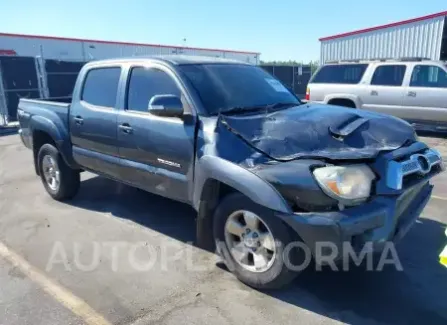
x=251, y=241
x=342, y=102
x=59, y=180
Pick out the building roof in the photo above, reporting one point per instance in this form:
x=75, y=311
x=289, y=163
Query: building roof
x=371, y=29
x=122, y=43
x=195, y=59
x=173, y=59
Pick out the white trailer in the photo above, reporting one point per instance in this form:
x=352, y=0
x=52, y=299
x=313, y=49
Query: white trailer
x=424, y=37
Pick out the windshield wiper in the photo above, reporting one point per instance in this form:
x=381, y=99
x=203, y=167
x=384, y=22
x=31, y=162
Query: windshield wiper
x=282, y=105
x=242, y=109
x=266, y=108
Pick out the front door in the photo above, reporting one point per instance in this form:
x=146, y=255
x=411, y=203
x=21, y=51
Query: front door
x=385, y=93
x=425, y=98
x=156, y=152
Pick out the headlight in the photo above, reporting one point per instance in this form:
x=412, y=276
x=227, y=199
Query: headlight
x=348, y=184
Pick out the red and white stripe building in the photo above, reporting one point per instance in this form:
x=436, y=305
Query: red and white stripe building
x=34, y=66
x=76, y=49
x=424, y=37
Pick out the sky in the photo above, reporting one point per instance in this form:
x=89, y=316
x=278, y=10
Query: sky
x=279, y=30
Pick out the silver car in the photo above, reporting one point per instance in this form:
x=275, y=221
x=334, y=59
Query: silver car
x=412, y=89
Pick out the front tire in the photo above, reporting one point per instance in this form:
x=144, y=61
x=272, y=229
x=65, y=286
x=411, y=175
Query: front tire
x=59, y=180
x=252, y=242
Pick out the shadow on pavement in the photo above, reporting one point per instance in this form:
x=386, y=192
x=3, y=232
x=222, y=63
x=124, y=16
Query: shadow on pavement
x=4, y=131
x=430, y=134
x=418, y=295
x=171, y=218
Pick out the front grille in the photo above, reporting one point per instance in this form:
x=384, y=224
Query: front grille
x=412, y=165
x=417, y=166
x=411, y=179
x=433, y=159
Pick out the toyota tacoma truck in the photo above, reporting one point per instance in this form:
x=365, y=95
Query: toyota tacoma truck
x=262, y=169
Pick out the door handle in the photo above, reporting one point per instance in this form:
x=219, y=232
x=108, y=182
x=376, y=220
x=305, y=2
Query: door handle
x=411, y=94
x=374, y=93
x=79, y=120
x=125, y=128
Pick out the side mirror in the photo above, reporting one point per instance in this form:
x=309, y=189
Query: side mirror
x=166, y=105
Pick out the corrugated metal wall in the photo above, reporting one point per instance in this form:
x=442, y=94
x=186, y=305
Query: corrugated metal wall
x=418, y=39
x=79, y=50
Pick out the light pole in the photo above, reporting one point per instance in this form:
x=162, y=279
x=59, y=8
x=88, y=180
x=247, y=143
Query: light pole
x=182, y=48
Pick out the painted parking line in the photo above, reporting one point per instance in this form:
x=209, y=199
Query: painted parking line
x=439, y=197
x=75, y=304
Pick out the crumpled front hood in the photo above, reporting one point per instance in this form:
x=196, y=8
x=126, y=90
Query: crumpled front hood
x=322, y=131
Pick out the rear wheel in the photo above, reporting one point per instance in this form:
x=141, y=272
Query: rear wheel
x=59, y=180
x=252, y=242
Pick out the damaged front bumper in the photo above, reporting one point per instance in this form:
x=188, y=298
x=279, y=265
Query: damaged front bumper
x=382, y=219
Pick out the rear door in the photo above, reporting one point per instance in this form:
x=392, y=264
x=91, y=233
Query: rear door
x=157, y=153
x=425, y=97
x=93, y=121
x=385, y=91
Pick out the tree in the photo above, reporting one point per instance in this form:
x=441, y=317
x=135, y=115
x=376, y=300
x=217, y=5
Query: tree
x=290, y=62
x=314, y=66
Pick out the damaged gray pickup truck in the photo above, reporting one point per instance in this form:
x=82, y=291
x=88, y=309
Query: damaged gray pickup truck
x=262, y=169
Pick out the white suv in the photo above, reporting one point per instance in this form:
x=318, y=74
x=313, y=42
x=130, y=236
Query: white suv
x=412, y=89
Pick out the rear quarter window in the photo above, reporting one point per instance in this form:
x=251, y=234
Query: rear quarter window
x=340, y=74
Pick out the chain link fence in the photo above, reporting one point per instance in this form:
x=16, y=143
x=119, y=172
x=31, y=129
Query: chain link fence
x=295, y=77
x=33, y=77
x=30, y=77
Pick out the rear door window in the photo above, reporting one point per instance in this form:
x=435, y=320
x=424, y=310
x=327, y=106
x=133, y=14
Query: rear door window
x=101, y=86
x=389, y=75
x=340, y=74
x=428, y=76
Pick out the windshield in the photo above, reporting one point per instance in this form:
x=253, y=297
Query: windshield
x=223, y=87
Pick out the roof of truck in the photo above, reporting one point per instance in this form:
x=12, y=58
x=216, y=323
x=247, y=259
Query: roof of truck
x=174, y=59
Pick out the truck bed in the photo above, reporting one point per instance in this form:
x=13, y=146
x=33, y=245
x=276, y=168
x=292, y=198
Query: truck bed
x=42, y=110
x=52, y=104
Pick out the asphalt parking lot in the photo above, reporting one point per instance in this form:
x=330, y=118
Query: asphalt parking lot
x=47, y=275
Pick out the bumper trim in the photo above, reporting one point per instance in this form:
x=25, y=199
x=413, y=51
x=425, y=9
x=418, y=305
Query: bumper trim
x=377, y=221
x=412, y=212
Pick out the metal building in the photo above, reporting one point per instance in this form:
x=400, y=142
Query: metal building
x=419, y=37
x=46, y=67
x=74, y=49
